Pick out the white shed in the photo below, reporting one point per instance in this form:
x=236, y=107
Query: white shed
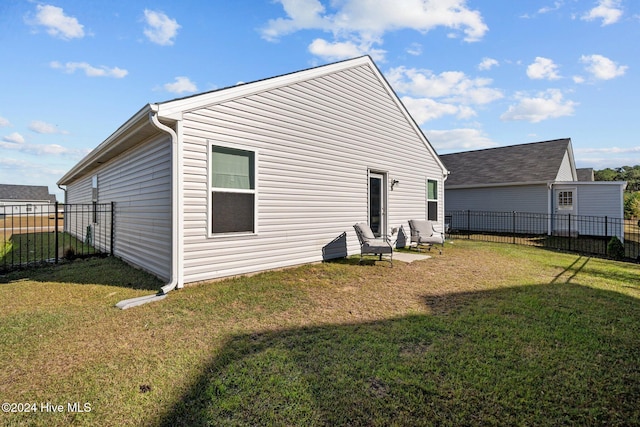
x=262, y=175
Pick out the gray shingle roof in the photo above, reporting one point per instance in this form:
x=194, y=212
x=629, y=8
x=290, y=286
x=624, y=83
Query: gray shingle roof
x=585, y=174
x=38, y=193
x=533, y=162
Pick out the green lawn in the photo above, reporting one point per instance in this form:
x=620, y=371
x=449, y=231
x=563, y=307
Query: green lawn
x=36, y=247
x=486, y=334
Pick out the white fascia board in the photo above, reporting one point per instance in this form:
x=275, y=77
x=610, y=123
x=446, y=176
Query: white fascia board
x=572, y=161
x=409, y=118
x=174, y=109
x=621, y=183
x=102, y=152
x=500, y=184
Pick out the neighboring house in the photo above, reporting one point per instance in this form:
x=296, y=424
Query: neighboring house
x=539, y=178
x=262, y=175
x=23, y=199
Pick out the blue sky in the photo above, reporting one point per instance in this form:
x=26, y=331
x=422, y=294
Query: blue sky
x=474, y=74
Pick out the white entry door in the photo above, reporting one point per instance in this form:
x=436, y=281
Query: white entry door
x=565, y=207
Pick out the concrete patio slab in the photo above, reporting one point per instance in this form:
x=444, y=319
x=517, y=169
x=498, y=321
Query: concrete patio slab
x=407, y=257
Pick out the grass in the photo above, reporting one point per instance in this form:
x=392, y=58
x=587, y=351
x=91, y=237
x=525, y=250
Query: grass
x=32, y=247
x=486, y=334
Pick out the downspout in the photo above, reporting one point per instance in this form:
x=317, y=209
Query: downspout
x=176, y=246
x=176, y=280
x=65, y=193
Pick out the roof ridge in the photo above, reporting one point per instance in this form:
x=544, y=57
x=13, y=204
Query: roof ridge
x=507, y=146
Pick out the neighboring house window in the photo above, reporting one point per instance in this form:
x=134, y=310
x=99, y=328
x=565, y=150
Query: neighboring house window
x=233, y=190
x=565, y=200
x=432, y=200
x=94, y=198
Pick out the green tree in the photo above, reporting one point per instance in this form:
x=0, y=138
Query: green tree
x=632, y=205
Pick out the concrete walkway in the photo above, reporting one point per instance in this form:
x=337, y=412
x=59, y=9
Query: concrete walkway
x=407, y=257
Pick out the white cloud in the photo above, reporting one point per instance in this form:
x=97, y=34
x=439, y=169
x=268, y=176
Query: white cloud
x=607, y=10
x=430, y=96
x=543, y=68
x=415, y=49
x=343, y=50
x=38, y=126
x=608, y=150
x=425, y=109
x=459, y=139
x=363, y=22
x=602, y=68
x=545, y=105
x=600, y=158
x=4, y=122
x=181, y=85
x=160, y=28
x=27, y=170
x=546, y=9
x=57, y=23
x=90, y=70
x=451, y=86
x=14, y=138
x=40, y=149
x=487, y=64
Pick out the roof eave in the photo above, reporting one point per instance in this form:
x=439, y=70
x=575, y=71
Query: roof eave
x=495, y=184
x=115, y=144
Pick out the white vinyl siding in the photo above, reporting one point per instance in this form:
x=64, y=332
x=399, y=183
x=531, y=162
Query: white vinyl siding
x=523, y=198
x=565, y=172
x=597, y=199
x=317, y=141
x=139, y=182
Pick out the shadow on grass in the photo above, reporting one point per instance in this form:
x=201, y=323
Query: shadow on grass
x=532, y=355
x=109, y=271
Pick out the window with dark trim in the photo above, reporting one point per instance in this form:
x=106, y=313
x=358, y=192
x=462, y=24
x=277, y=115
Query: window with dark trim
x=432, y=200
x=233, y=191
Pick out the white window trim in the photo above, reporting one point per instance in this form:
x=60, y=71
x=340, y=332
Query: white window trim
x=574, y=199
x=210, y=189
x=437, y=199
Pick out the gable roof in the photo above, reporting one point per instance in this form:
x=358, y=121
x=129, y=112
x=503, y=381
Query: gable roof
x=26, y=193
x=536, y=162
x=139, y=126
x=585, y=174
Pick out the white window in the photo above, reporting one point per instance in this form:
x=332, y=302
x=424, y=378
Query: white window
x=432, y=200
x=565, y=200
x=232, y=190
x=94, y=199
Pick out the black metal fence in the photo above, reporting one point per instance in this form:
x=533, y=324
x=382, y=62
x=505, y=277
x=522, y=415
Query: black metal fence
x=32, y=234
x=575, y=233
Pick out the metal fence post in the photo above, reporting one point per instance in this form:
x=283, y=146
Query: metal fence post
x=57, y=256
x=513, y=226
x=570, y=232
x=113, y=216
x=469, y=224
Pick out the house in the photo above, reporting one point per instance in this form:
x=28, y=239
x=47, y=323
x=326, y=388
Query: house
x=538, y=178
x=25, y=199
x=262, y=175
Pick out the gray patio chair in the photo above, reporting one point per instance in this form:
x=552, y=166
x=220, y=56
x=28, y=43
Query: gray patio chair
x=372, y=245
x=424, y=234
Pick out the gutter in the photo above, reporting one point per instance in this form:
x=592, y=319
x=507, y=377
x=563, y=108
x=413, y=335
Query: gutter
x=176, y=281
